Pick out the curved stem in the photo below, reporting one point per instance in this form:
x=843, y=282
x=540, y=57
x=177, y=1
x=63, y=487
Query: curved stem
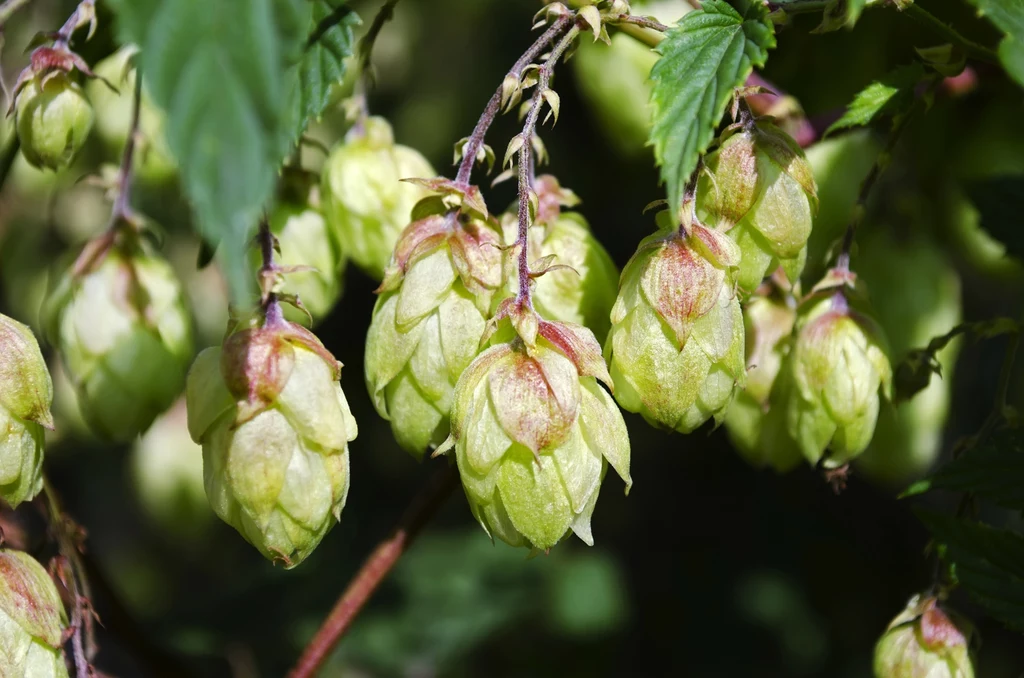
x=373, y=571
x=8, y=9
x=476, y=138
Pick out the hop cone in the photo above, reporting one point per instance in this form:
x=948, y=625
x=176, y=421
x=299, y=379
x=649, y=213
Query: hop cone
x=675, y=349
x=365, y=200
x=32, y=619
x=840, y=370
x=581, y=280
x=26, y=393
x=925, y=642
x=761, y=190
x=756, y=421
x=274, y=424
x=428, y=321
x=125, y=337
x=533, y=435
x=53, y=119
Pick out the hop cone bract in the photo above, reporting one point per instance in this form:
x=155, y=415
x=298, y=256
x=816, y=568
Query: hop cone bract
x=925, y=642
x=274, y=424
x=32, y=619
x=53, y=119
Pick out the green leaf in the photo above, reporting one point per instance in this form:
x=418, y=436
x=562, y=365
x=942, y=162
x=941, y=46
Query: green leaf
x=330, y=43
x=220, y=71
x=993, y=471
x=1008, y=16
x=838, y=14
x=892, y=94
x=989, y=564
x=1000, y=201
x=703, y=59
x=134, y=17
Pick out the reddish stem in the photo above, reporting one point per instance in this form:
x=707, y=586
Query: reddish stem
x=373, y=571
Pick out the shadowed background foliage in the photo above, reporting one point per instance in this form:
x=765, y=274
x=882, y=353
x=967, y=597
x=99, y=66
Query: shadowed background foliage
x=709, y=568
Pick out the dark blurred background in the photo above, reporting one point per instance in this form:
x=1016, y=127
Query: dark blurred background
x=709, y=568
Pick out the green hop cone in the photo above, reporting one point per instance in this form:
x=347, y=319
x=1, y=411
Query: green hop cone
x=153, y=159
x=925, y=642
x=756, y=421
x=579, y=280
x=533, y=433
x=428, y=321
x=275, y=426
x=32, y=619
x=26, y=393
x=365, y=200
x=53, y=119
x=909, y=435
x=167, y=470
x=841, y=372
x=675, y=349
x=308, y=244
x=122, y=329
x=760, y=188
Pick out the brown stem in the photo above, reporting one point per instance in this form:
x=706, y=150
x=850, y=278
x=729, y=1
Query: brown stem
x=122, y=207
x=273, y=316
x=526, y=161
x=373, y=571
x=63, y=37
x=476, y=138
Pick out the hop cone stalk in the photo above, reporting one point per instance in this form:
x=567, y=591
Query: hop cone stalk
x=760, y=188
x=53, y=119
x=925, y=642
x=533, y=433
x=32, y=619
x=365, y=200
x=840, y=370
x=26, y=393
x=577, y=279
x=125, y=337
x=675, y=349
x=428, y=321
x=274, y=424
x=756, y=421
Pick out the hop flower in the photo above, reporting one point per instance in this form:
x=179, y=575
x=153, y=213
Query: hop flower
x=125, y=337
x=675, y=349
x=756, y=421
x=366, y=203
x=153, y=159
x=533, y=434
x=578, y=280
x=925, y=641
x=53, y=119
x=312, y=250
x=167, y=469
x=26, y=393
x=32, y=619
x=428, y=321
x=760, y=188
x=840, y=370
x=275, y=426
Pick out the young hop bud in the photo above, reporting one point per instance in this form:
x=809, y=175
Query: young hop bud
x=274, y=424
x=32, y=619
x=167, y=470
x=533, y=434
x=153, y=160
x=760, y=188
x=125, y=337
x=841, y=371
x=53, y=119
x=578, y=280
x=308, y=244
x=26, y=394
x=365, y=200
x=756, y=421
x=675, y=349
x=428, y=321
x=925, y=642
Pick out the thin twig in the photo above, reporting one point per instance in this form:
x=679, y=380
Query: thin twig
x=373, y=571
x=385, y=14
x=63, y=36
x=476, y=138
x=273, y=316
x=526, y=161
